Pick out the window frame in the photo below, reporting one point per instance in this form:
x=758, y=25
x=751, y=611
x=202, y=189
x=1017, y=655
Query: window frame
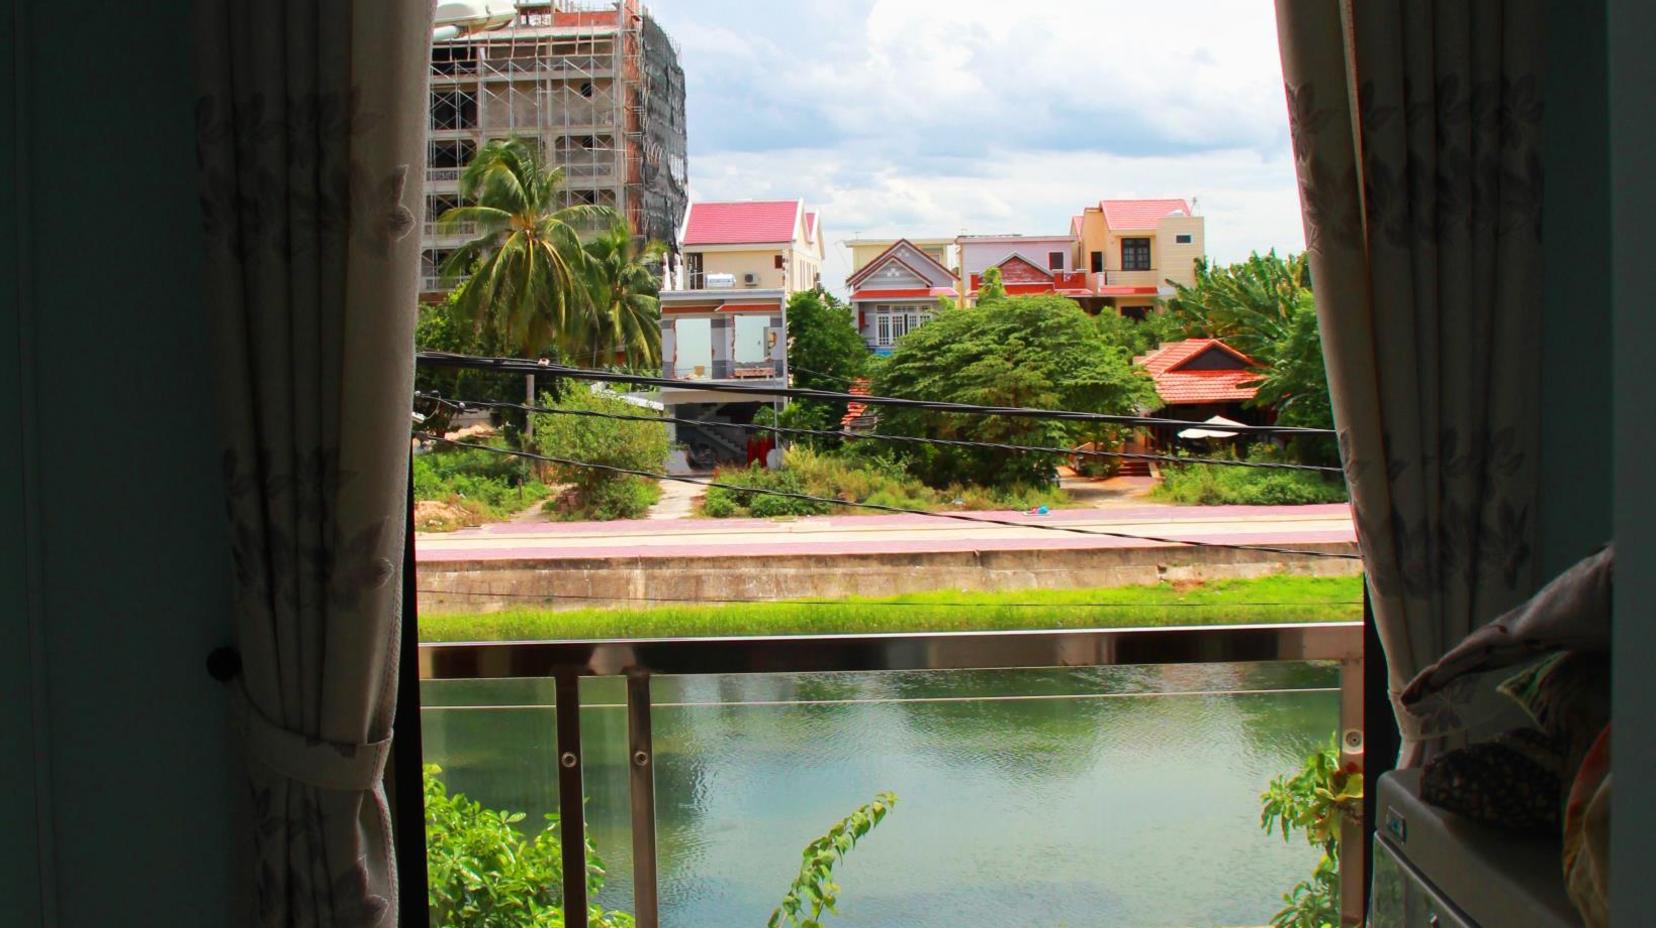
x=1136, y=254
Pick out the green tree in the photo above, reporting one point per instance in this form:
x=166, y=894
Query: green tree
x=825, y=352
x=991, y=287
x=625, y=318
x=1039, y=351
x=626, y=443
x=1264, y=307
x=523, y=274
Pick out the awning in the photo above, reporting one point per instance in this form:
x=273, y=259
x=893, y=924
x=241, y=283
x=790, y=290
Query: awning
x=1220, y=421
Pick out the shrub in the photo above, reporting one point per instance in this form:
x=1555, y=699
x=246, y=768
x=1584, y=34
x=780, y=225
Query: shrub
x=484, y=873
x=1219, y=484
x=856, y=476
x=478, y=486
x=627, y=443
x=1313, y=800
x=814, y=889
x=621, y=498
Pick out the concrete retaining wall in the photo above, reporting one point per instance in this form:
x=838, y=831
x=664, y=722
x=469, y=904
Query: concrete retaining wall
x=490, y=585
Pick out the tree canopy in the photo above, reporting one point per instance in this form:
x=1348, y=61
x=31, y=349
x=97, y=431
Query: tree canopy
x=1264, y=307
x=1039, y=351
x=524, y=273
x=825, y=352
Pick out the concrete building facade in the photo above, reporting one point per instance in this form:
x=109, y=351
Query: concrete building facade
x=597, y=85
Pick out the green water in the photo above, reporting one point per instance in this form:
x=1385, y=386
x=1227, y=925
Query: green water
x=1123, y=796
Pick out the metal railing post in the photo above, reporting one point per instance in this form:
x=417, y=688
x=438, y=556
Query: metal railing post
x=641, y=753
x=571, y=808
x=1353, y=843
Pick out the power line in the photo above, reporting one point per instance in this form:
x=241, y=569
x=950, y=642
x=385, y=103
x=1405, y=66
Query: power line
x=520, y=366
x=554, y=597
x=878, y=507
x=900, y=439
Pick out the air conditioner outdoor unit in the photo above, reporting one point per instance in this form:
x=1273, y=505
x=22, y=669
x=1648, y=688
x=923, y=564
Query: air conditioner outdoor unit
x=750, y=279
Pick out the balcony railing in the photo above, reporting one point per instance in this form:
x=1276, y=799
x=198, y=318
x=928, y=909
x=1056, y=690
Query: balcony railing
x=454, y=230
x=1149, y=657
x=442, y=175
x=724, y=370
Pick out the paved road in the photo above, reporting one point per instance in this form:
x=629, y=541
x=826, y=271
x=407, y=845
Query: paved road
x=894, y=534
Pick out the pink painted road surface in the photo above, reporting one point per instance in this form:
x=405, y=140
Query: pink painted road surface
x=893, y=534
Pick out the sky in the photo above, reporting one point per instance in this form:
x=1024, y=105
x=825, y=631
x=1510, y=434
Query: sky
x=936, y=117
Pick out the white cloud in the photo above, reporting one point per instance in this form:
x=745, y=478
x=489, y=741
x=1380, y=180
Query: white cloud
x=916, y=117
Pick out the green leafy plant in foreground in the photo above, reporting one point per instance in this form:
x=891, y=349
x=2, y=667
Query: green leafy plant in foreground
x=1313, y=800
x=814, y=891
x=484, y=873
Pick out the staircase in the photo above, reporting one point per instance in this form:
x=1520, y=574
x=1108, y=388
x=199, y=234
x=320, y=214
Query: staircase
x=1132, y=467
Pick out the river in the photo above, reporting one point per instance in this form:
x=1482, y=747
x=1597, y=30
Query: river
x=1119, y=796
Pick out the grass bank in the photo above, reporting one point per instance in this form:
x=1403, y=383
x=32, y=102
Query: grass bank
x=1220, y=602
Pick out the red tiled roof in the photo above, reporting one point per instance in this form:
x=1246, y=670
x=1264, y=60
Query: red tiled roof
x=1140, y=214
x=903, y=293
x=1197, y=387
x=751, y=222
x=854, y=410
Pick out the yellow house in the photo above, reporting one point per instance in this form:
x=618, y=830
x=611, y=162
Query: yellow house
x=942, y=250
x=1131, y=249
x=724, y=319
x=751, y=245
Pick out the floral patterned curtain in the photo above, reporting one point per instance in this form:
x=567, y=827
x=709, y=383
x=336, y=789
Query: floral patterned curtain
x=1417, y=140
x=311, y=136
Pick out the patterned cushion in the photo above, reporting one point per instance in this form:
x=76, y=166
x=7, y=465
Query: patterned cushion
x=1568, y=696
x=1514, y=782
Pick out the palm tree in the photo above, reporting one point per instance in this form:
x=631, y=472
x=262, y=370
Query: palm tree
x=524, y=273
x=626, y=310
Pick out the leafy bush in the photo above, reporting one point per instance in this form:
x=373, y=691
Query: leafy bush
x=621, y=498
x=627, y=443
x=856, y=476
x=1221, y=485
x=484, y=873
x=1314, y=800
x=813, y=889
x=482, y=486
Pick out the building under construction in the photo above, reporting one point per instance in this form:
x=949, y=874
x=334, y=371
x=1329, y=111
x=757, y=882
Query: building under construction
x=597, y=84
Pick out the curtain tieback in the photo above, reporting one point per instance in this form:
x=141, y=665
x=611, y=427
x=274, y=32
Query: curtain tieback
x=304, y=759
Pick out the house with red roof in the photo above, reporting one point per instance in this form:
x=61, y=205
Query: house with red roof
x=1198, y=378
x=897, y=291
x=1134, y=250
x=724, y=317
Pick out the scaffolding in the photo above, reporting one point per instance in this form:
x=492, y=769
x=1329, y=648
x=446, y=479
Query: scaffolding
x=597, y=85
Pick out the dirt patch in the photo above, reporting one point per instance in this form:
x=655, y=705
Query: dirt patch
x=1186, y=586
x=431, y=515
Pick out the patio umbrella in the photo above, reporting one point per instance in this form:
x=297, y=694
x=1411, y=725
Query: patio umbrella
x=1212, y=433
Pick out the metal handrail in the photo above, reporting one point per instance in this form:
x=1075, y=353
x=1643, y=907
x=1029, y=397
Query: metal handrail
x=638, y=660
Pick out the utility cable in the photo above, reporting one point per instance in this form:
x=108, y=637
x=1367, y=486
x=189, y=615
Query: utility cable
x=520, y=366
x=901, y=439
x=878, y=507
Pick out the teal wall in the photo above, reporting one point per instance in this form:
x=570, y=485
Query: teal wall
x=113, y=545
x=19, y=857
x=1575, y=510
x=1632, y=75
